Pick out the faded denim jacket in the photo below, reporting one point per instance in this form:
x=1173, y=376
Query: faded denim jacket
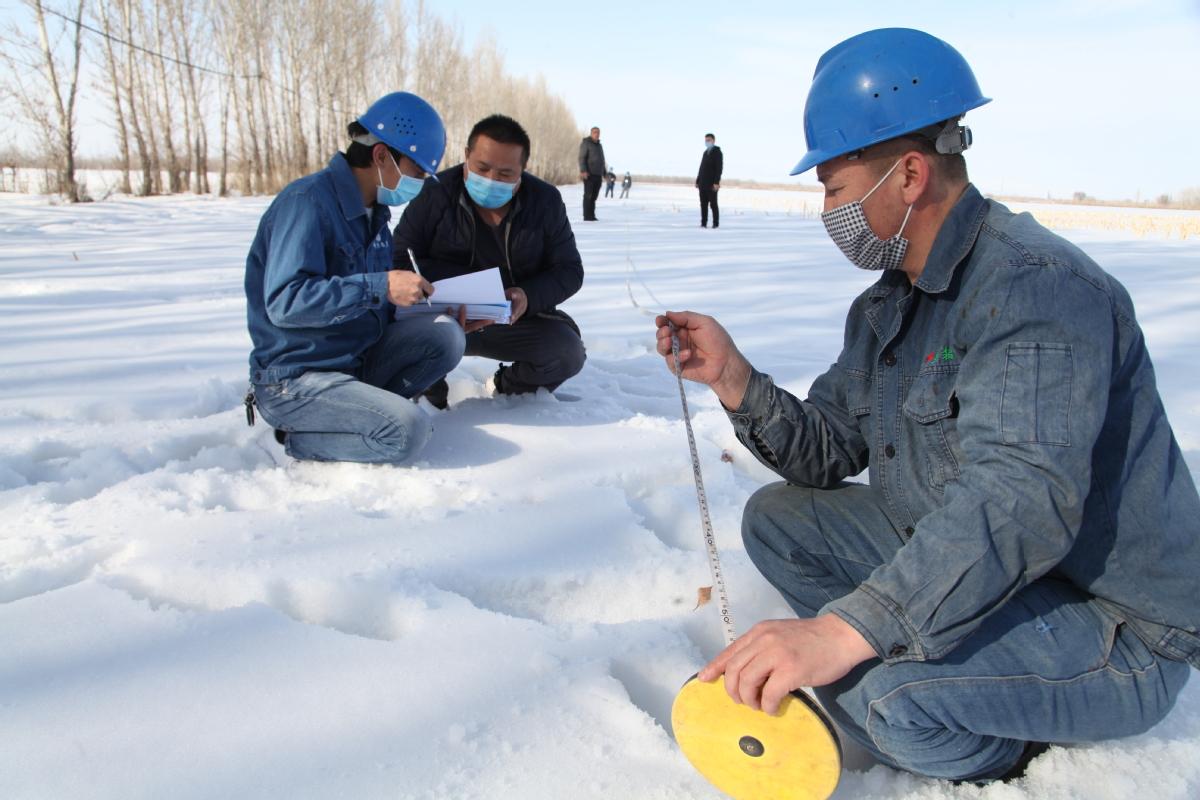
x=316, y=277
x=1006, y=408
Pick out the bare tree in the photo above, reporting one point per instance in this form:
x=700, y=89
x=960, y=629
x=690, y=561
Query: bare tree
x=104, y=15
x=43, y=80
x=279, y=81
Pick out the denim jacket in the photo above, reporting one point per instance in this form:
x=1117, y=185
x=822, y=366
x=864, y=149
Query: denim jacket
x=316, y=277
x=1006, y=408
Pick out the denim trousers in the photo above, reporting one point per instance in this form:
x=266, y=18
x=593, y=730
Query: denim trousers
x=367, y=416
x=1049, y=665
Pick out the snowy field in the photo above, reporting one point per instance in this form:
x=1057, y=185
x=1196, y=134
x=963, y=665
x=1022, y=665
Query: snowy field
x=185, y=613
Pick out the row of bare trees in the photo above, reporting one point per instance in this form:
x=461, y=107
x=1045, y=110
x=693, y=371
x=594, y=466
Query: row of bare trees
x=253, y=92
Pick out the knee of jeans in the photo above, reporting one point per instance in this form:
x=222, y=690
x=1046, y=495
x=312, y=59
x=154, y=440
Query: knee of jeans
x=906, y=725
x=451, y=341
x=765, y=514
x=400, y=440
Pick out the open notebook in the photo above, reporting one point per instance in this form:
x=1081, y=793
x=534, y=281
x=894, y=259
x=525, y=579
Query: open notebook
x=481, y=292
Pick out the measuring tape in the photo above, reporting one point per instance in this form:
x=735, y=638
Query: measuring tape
x=710, y=539
x=748, y=754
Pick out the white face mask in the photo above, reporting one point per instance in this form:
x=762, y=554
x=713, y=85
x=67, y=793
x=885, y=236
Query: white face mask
x=848, y=227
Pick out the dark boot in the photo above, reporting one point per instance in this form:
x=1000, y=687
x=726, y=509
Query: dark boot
x=498, y=380
x=438, y=394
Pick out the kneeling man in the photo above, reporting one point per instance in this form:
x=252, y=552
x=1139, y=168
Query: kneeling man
x=330, y=369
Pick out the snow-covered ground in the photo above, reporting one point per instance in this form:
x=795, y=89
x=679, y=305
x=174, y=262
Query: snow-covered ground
x=185, y=613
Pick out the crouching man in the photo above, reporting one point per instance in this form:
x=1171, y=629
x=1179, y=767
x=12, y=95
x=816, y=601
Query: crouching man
x=488, y=212
x=330, y=368
x=1022, y=567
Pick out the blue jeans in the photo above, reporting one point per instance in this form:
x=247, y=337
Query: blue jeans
x=1050, y=665
x=368, y=416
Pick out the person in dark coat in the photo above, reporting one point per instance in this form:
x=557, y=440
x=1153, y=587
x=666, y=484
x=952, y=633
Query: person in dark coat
x=708, y=180
x=626, y=182
x=610, y=180
x=489, y=212
x=591, y=172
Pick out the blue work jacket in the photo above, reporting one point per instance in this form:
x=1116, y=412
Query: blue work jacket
x=1006, y=409
x=316, y=277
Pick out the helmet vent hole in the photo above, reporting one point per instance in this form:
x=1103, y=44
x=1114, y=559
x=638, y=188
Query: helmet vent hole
x=895, y=88
x=914, y=81
x=877, y=94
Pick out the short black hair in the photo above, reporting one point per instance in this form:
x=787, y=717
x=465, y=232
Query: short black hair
x=710, y=136
x=359, y=155
x=504, y=130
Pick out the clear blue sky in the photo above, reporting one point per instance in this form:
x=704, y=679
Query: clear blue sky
x=1089, y=95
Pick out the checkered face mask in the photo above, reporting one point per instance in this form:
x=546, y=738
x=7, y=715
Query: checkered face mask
x=847, y=226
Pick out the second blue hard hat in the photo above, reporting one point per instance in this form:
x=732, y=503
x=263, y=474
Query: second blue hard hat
x=406, y=123
x=882, y=84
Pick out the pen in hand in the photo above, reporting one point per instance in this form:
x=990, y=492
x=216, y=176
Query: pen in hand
x=413, y=260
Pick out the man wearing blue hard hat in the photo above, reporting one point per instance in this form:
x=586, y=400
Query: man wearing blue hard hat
x=1021, y=568
x=331, y=370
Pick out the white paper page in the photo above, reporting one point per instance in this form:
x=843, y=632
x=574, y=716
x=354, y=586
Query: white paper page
x=476, y=287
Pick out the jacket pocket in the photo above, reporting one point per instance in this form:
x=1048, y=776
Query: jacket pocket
x=1036, y=402
x=932, y=404
x=858, y=394
x=351, y=260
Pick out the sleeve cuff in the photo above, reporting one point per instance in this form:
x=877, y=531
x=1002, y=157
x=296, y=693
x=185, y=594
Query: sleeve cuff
x=755, y=401
x=375, y=289
x=881, y=622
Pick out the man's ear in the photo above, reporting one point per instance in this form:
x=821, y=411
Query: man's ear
x=379, y=154
x=917, y=169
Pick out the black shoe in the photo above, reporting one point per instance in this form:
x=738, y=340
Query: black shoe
x=498, y=381
x=438, y=394
x=715, y=225
x=281, y=436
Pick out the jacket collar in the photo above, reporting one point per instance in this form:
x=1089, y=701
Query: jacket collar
x=346, y=189
x=954, y=241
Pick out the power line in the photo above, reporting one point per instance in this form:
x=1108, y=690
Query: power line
x=182, y=63
x=110, y=37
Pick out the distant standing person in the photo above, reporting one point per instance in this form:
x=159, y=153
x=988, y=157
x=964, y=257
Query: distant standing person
x=591, y=171
x=708, y=180
x=610, y=180
x=626, y=182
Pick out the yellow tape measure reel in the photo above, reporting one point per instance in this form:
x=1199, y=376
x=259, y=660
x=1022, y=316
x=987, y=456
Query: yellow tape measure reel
x=751, y=755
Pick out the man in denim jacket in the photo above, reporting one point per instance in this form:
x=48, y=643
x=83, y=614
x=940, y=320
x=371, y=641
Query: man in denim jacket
x=331, y=369
x=1022, y=567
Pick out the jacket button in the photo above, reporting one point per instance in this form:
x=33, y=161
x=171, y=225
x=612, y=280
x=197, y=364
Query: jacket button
x=908, y=532
x=889, y=451
x=897, y=651
x=890, y=359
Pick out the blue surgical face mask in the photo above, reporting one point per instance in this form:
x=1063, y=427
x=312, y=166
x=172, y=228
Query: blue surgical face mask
x=405, y=190
x=487, y=192
x=709, y=145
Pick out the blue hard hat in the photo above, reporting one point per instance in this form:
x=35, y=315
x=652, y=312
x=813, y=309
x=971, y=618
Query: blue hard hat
x=882, y=84
x=408, y=124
